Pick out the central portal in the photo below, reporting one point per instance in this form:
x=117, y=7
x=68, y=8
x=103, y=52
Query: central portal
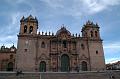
x=65, y=63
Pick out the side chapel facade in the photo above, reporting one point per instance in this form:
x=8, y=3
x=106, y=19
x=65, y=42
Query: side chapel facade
x=61, y=52
x=7, y=58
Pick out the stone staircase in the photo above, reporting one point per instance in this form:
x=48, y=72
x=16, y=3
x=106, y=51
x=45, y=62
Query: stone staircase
x=62, y=75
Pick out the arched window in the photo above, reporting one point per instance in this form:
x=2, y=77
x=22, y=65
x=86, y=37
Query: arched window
x=65, y=44
x=43, y=45
x=10, y=66
x=91, y=33
x=25, y=29
x=96, y=34
x=42, y=66
x=84, y=66
x=82, y=46
x=31, y=29
x=96, y=51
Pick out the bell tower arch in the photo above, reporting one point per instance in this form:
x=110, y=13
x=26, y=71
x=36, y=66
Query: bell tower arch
x=91, y=30
x=28, y=25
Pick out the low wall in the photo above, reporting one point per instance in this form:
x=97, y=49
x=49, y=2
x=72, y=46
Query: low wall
x=61, y=75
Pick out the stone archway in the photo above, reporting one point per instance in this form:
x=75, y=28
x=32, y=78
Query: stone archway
x=65, y=63
x=42, y=66
x=84, y=66
x=10, y=66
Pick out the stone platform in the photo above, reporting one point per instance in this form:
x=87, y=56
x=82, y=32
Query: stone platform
x=61, y=75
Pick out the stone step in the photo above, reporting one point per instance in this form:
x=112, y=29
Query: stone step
x=61, y=75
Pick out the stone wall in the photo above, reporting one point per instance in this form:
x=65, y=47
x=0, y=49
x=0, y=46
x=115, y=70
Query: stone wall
x=62, y=75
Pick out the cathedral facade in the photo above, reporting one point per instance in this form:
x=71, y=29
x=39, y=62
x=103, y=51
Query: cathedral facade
x=7, y=58
x=60, y=52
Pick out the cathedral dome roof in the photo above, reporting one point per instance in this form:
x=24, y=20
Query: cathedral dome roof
x=63, y=30
x=13, y=47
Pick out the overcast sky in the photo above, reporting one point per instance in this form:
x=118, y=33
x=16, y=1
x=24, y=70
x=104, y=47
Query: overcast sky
x=51, y=14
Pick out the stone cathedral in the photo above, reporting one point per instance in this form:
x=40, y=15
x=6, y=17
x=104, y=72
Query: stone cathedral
x=60, y=52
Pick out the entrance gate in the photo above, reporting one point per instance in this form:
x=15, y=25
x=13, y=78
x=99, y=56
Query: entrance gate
x=65, y=63
x=42, y=67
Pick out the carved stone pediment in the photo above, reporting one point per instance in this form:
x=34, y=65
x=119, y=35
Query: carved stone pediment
x=43, y=57
x=83, y=57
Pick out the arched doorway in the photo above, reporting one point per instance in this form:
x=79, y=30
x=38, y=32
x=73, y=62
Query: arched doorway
x=42, y=66
x=10, y=66
x=65, y=63
x=84, y=66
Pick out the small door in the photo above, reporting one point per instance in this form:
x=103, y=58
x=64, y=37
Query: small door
x=10, y=66
x=84, y=66
x=42, y=67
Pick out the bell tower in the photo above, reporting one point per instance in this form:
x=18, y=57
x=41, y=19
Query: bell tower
x=26, y=46
x=91, y=30
x=28, y=25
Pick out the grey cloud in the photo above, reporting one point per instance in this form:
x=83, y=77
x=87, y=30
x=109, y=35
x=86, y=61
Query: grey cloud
x=80, y=7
